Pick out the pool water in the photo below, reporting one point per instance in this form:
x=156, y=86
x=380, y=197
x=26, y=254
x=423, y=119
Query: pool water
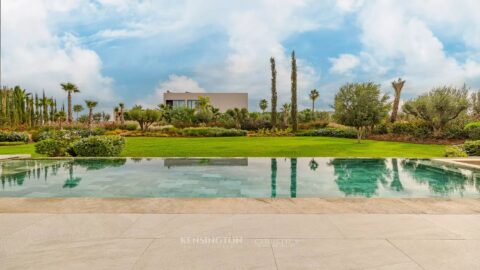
x=236, y=177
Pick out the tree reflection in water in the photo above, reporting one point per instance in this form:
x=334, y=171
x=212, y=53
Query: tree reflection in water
x=440, y=179
x=98, y=164
x=273, y=167
x=313, y=165
x=16, y=172
x=293, y=178
x=360, y=177
x=396, y=185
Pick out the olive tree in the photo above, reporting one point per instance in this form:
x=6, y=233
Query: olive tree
x=360, y=105
x=438, y=107
x=144, y=117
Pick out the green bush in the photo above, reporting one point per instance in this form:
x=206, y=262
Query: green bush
x=472, y=148
x=455, y=132
x=420, y=130
x=455, y=151
x=212, y=132
x=381, y=128
x=313, y=125
x=473, y=130
x=403, y=128
x=331, y=132
x=52, y=147
x=129, y=127
x=48, y=133
x=41, y=135
x=99, y=146
x=13, y=137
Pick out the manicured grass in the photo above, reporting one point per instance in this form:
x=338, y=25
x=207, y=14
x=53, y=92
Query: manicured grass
x=261, y=147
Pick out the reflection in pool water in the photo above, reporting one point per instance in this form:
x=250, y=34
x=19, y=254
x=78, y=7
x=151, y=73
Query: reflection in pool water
x=236, y=177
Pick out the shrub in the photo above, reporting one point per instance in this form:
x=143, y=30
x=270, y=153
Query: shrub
x=41, y=135
x=472, y=148
x=313, y=125
x=455, y=151
x=212, y=132
x=52, y=147
x=455, y=132
x=129, y=127
x=416, y=129
x=403, y=128
x=381, y=128
x=422, y=130
x=13, y=137
x=331, y=132
x=272, y=132
x=256, y=124
x=473, y=130
x=99, y=146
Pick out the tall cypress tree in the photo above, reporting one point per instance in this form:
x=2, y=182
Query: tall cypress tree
x=294, y=93
x=274, y=92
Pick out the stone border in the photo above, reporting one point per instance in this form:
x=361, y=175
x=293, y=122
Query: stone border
x=241, y=205
x=460, y=162
x=22, y=156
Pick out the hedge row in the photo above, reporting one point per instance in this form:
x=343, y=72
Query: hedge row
x=94, y=146
x=330, y=132
x=13, y=137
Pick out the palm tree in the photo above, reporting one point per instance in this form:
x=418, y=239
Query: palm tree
x=239, y=115
x=90, y=105
x=116, y=111
x=397, y=86
x=77, y=109
x=215, y=113
x=60, y=117
x=313, y=96
x=70, y=88
x=285, y=110
x=294, y=93
x=263, y=105
x=203, y=104
x=274, y=92
x=122, y=116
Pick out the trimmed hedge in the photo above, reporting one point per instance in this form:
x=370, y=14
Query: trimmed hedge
x=472, y=148
x=331, y=132
x=13, y=137
x=98, y=146
x=469, y=148
x=455, y=151
x=212, y=132
x=52, y=147
x=49, y=133
x=473, y=130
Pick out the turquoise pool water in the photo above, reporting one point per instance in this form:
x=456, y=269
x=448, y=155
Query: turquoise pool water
x=236, y=177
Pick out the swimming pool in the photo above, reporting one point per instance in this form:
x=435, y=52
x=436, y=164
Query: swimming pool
x=236, y=177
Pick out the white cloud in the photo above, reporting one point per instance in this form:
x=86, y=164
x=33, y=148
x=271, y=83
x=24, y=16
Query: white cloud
x=36, y=58
x=404, y=40
x=349, y=5
x=344, y=63
x=177, y=83
x=255, y=31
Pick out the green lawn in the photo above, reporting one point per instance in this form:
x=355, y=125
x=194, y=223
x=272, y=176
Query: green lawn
x=261, y=147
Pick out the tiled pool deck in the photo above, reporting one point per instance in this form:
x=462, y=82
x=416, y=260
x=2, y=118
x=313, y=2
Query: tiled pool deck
x=239, y=234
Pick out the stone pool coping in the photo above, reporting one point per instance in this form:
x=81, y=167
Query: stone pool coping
x=242, y=205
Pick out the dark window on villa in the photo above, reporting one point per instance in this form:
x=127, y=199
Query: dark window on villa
x=175, y=103
x=191, y=103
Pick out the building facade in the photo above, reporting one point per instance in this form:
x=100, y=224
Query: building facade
x=222, y=101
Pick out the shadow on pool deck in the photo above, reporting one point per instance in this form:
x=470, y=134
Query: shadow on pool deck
x=240, y=205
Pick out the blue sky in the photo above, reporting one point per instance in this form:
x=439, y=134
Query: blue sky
x=133, y=51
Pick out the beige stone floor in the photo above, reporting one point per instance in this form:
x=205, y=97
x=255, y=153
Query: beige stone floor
x=239, y=241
